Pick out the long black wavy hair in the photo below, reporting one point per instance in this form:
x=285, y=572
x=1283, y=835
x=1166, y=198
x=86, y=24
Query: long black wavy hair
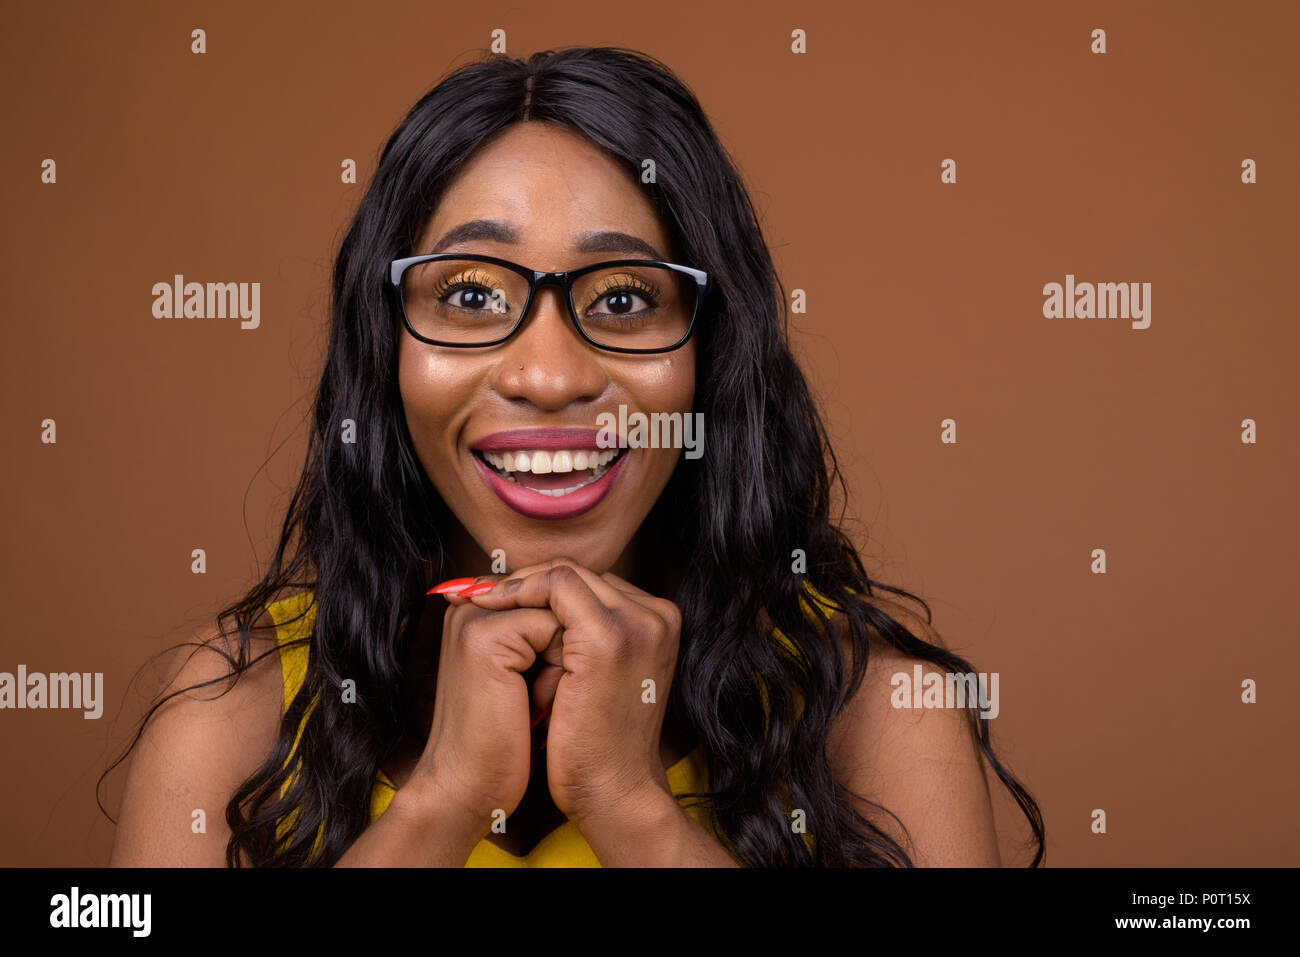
x=366, y=531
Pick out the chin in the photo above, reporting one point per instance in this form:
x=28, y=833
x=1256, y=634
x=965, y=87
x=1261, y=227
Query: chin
x=578, y=550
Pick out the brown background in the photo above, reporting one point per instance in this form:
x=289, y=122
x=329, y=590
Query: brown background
x=1119, y=691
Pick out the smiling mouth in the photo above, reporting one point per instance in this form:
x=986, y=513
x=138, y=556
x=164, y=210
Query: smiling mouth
x=555, y=473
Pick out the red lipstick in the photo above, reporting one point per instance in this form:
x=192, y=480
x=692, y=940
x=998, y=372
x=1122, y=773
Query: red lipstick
x=538, y=504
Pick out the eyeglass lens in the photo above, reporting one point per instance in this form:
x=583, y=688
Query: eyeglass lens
x=628, y=306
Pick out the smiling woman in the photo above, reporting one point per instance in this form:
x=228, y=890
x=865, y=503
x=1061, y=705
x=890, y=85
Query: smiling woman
x=551, y=199
x=491, y=636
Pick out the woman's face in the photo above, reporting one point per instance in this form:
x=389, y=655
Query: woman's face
x=547, y=191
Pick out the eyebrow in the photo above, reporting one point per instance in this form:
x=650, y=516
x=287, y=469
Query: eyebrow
x=494, y=230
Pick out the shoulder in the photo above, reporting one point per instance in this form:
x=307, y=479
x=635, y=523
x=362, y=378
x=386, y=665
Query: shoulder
x=922, y=764
x=210, y=732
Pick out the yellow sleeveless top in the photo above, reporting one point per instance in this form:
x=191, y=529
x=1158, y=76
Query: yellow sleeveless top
x=563, y=847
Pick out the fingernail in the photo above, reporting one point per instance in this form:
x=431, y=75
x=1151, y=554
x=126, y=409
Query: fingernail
x=478, y=589
x=451, y=585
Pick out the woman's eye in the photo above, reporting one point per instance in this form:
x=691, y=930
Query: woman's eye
x=475, y=298
x=622, y=303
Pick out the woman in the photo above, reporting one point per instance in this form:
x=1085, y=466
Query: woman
x=707, y=663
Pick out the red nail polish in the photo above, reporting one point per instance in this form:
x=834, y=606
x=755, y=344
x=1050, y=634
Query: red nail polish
x=451, y=585
x=478, y=589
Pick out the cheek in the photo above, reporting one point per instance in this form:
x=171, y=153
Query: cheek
x=668, y=384
x=433, y=389
x=419, y=392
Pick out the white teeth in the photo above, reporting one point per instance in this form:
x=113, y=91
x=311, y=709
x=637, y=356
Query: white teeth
x=545, y=461
x=555, y=492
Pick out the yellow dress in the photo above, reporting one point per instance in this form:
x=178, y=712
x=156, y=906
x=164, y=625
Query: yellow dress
x=563, y=847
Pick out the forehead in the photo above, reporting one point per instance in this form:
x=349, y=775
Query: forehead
x=551, y=183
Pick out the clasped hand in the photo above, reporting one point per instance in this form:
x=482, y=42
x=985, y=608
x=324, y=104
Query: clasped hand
x=608, y=652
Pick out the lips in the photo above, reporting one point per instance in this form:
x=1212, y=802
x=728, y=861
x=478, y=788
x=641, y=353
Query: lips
x=554, y=473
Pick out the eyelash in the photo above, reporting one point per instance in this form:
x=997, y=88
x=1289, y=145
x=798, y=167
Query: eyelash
x=650, y=291
x=630, y=284
x=446, y=286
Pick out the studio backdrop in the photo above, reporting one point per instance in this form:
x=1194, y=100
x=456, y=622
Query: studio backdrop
x=1037, y=258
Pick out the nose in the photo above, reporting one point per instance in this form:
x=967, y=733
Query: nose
x=559, y=367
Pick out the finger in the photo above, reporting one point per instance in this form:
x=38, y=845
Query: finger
x=525, y=634
x=625, y=586
x=560, y=587
x=545, y=684
x=631, y=592
x=603, y=590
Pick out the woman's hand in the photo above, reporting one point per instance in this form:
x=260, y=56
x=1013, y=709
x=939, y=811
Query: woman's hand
x=607, y=682
x=478, y=755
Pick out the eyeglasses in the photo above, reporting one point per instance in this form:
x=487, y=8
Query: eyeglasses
x=625, y=305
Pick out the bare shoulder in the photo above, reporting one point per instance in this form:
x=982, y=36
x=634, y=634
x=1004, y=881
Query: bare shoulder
x=210, y=733
x=922, y=764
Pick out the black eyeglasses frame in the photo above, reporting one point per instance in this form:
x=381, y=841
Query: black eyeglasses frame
x=536, y=280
